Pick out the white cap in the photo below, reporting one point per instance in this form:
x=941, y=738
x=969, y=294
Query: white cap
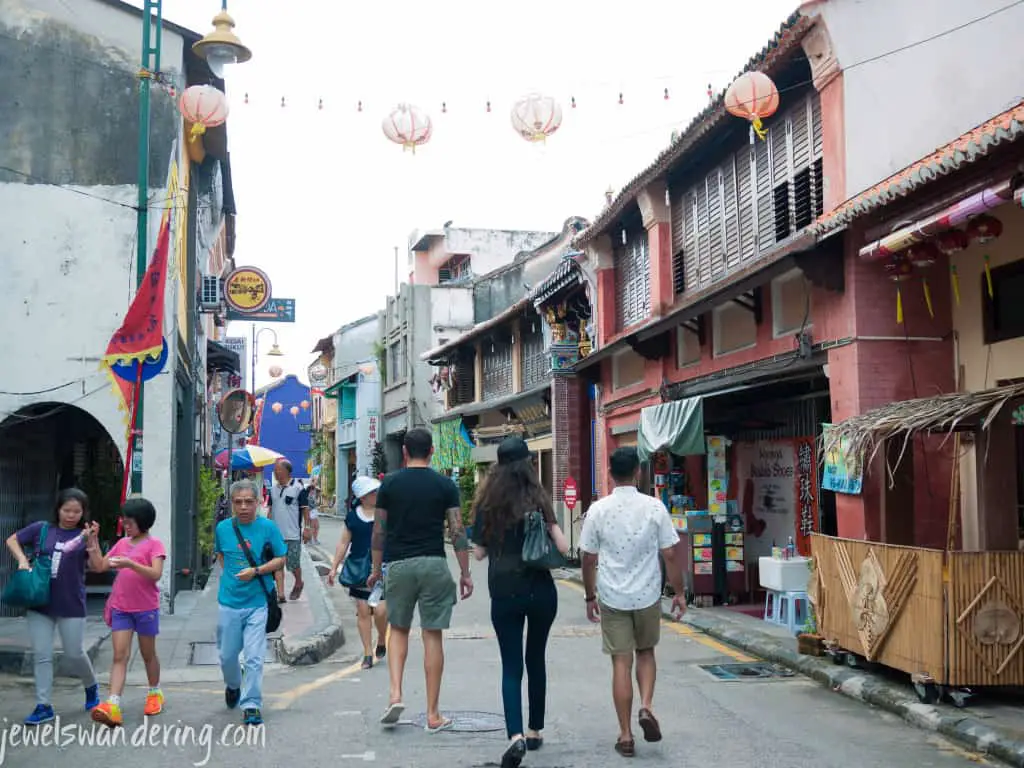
x=363, y=485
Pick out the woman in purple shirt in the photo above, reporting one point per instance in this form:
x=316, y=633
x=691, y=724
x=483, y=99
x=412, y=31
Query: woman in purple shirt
x=71, y=543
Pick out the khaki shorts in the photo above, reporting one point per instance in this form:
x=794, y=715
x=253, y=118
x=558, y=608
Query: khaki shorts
x=420, y=581
x=624, y=632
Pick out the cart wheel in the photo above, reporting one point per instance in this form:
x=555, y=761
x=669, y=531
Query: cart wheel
x=927, y=693
x=853, y=661
x=960, y=697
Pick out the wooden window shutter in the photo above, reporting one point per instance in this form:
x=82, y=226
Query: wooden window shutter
x=730, y=217
x=703, y=238
x=690, y=256
x=745, y=161
x=763, y=195
x=717, y=247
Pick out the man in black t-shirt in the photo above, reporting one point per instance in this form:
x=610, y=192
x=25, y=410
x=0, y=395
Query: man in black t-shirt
x=413, y=505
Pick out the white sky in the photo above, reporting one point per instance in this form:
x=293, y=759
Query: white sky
x=323, y=197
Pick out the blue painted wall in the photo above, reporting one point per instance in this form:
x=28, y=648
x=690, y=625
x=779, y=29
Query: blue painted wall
x=280, y=431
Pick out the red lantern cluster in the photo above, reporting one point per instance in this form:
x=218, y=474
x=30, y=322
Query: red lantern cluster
x=923, y=255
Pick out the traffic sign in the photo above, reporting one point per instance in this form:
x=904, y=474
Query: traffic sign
x=570, y=493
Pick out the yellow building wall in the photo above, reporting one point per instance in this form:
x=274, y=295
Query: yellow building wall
x=982, y=366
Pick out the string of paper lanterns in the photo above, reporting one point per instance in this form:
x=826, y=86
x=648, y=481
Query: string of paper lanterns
x=921, y=256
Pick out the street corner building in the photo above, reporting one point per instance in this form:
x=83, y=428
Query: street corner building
x=70, y=173
x=286, y=425
x=809, y=326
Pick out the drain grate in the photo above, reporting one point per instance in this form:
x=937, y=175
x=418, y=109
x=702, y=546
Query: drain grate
x=467, y=722
x=207, y=655
x=750, y=671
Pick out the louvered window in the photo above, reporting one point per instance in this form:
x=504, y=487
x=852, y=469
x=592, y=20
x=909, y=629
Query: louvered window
x=348, y=402
x=758, y=197
x=464, y=390
x=497, y=368
x=534, y=362
x=633, y=281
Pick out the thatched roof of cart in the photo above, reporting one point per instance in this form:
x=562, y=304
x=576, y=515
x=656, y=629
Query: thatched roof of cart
x=862, y=436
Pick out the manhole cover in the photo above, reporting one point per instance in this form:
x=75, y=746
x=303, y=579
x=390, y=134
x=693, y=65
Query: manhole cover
x=749, y=671
x=467, y=722
x=207, y=654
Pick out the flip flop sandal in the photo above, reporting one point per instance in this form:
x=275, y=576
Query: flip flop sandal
x=393, y=713
x=649, y=725
x=626, y=748
x=446, y=725
x=381, y=651
x=367, y=662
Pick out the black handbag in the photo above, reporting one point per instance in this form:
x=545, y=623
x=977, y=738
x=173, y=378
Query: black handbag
x=538, y=549
x=273, y=608
x=356, y=570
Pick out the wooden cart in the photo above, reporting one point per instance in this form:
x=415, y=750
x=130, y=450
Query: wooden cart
x=891, y=605
x=953, y=620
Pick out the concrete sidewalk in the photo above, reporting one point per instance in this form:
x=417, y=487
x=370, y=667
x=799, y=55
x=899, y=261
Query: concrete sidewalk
x=988, y=727
x=310, y=631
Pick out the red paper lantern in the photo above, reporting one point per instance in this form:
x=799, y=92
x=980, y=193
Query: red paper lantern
x=205, y=107
x=951, y=242
x=305, y=405
x=294, y=410
x=754, y=97
x=923, y=256
x=984, y=228
x=899, y=270
x=276, y=407
x=409, y=126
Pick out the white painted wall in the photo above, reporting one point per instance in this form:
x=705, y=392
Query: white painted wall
x=903, y=106
x=68, y=265
x=451, y=313
x=491, y=248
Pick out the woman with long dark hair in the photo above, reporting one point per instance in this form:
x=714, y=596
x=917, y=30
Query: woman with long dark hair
x=520, y=594
x=71, y=542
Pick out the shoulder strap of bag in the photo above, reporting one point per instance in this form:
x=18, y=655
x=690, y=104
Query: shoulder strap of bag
x=248, y=555
x=41, y=543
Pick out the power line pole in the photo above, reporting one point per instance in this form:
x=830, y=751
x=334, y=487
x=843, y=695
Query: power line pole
x=151, y=39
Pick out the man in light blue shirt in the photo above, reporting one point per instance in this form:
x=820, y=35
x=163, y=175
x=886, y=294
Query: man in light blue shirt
x=242, y=623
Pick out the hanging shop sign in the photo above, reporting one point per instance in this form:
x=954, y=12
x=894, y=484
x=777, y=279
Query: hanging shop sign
x=275, y=311
x=842, y=471
x=247, y=290
x=806, y=494
x=235, y=411
x=570, y=493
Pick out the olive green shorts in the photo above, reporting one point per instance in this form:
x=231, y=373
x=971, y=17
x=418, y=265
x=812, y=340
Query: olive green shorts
x=623, y=632
x=425, y=582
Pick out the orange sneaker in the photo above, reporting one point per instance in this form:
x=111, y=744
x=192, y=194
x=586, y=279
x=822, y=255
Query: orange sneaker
x=154, y=703
x=109, y=714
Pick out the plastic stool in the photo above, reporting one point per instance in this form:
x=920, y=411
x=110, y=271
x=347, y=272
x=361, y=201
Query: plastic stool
x=793, y=610
x=771, y=606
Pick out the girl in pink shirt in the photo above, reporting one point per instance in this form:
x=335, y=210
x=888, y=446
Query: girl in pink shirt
x=134, y=607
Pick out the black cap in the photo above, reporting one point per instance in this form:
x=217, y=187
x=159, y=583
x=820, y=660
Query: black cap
x=513, y=449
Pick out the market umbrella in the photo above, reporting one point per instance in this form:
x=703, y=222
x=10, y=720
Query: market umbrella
x=220, y=461
x=253, y=457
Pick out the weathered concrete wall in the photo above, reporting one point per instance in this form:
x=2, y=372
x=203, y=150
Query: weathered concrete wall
x=69, y=116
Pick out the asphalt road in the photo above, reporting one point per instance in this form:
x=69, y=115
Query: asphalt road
x=327, y=715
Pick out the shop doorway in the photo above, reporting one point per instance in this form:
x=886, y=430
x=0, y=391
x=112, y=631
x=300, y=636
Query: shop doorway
x=45, y=448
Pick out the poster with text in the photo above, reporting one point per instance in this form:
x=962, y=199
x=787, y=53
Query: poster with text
x=767, y=494
x=718, y=476
x=805, y=488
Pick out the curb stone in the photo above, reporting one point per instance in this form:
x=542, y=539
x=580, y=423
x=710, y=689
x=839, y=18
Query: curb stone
x=316, y=646
x=20, y=661
x=961, y=728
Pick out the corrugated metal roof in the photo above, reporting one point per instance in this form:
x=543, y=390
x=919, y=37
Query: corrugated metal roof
x=789, y=36
x=969, y=148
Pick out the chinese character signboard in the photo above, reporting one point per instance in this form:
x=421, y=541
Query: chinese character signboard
x=806, y=494
x=240, y=346
x=246, y=290
x=372, y=429
x=842, y=472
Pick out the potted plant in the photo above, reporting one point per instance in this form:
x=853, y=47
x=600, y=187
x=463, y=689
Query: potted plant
x=809, y=642
x=467, y=492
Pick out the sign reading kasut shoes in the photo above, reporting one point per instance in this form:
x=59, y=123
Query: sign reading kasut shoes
x=247, y=289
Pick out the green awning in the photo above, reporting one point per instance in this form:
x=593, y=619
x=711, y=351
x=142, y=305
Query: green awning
x=677, y=427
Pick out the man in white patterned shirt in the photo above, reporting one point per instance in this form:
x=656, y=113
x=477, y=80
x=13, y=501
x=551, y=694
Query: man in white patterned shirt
x=627, y=530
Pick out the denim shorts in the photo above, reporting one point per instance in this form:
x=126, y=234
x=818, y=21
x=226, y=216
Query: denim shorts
x=143, y=623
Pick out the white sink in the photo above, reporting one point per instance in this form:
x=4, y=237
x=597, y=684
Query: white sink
x=784, y=575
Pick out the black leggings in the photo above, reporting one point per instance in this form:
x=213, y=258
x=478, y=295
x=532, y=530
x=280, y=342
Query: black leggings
x=537, y=609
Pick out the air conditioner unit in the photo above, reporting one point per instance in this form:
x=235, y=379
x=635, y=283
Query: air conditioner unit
x=210, y=294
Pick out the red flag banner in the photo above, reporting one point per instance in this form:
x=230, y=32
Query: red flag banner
x=140, y=337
